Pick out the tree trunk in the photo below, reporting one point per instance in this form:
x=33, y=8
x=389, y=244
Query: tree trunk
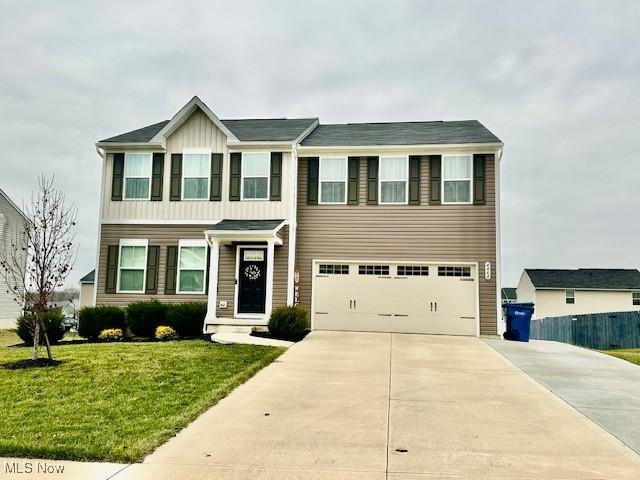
x=46, y=339
x=36, y=341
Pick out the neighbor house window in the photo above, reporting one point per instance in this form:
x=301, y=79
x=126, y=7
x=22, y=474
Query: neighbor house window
x=192, y=266
x=137, y=176
x=132, y=265
x=635, y=297
x=456, y=178
x=394, y=176
x=255, y=175
x=196, y=172
x=333, y=180
x=570, y=296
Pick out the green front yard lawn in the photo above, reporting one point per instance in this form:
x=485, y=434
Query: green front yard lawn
x=115, y=401
x=630, y=354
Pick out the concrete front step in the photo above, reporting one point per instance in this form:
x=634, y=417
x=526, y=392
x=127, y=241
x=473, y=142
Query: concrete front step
x=235, y=329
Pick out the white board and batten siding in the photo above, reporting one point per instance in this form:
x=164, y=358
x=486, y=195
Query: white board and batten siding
x=196, y=132
x=11, y=222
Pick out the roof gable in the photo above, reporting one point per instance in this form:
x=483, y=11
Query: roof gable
x=585, y=278
x=13, y=205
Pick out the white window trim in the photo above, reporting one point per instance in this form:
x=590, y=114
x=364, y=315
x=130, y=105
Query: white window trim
x=406, y=181
x=124, y=177
x=268, y=177
x=196, y=151
x=633, y=295
x=346, y=180
x=567, y=297
x=133, y=242
x=470, y=180
x=192, y=243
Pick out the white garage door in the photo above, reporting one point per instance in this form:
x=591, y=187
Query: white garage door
x=395, y=297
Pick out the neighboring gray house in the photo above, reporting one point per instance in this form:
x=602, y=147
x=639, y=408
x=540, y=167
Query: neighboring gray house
x=509, y=295
x=11, y=222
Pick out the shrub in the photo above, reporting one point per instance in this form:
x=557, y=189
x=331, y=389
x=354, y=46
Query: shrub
x=52, y=320
x=187, y=318
x=143, y=317
x=165, y=333
x=111, y=335
x=289, y=323
x=93, y=320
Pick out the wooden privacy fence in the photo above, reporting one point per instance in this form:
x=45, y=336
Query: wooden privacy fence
x=594, y=330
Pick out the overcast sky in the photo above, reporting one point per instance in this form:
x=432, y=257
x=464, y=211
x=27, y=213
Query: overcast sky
x=557, y=81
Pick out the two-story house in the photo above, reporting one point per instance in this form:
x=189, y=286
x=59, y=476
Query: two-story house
x=389, y=227
x=12, y=221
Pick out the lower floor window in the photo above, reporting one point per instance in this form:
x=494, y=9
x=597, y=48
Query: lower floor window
x=131, y=267
x=192, y=266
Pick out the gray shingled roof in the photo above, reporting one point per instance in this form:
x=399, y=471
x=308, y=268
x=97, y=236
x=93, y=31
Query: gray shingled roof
x=140, y=135
x=509, y=293
x=89, y=277
x=593, y=278
x=247, y=130
x=246, y=225
x=268, y=129
x=400, y=133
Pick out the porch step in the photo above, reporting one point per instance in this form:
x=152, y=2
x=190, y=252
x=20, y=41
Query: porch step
x=235, y=329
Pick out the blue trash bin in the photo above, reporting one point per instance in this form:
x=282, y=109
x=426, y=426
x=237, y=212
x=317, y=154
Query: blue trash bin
x=518, y=321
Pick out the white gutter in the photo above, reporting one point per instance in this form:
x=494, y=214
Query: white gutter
x=500, y=323
x=293, y=224
x=102, y=154
x=448, y=146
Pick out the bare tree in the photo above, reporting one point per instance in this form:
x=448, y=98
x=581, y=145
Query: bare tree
x=40, y=256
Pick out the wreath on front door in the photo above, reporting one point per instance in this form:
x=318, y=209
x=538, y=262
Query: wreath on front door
x=252, y=272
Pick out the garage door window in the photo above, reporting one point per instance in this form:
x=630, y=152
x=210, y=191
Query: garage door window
x=328, y=269
x=373, y=269
x=454, y=271
x=413, y=270
x=333, y=180
x=394, y=175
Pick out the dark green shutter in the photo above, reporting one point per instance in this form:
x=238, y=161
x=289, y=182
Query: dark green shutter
x=435, y=175
x=235, y=173
x=171, y=270
x=276, y=176
x=117, y=178
x=479, y=174
x=176, y=177
x=414, y=180
x=215, y=190
x=112, y=269
x=353, y=186
x=206, y=271
x=372, y=180
x=313, y=166
x=157, y=173
x=153, y=261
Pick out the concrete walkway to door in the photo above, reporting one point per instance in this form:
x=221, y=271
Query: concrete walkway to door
x=376, y=406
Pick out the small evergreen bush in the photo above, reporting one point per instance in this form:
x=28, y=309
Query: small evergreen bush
x=93, y=320
x=143, y=317
x=187, y=318
x=289, y=323
x=52, y=320
x=165, y=333
x=111, y=335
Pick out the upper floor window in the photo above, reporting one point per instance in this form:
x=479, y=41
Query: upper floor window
x=570, y=296
x=137, y=176
x=192, y=265
x=635, y=298
x=394, y=177
x=333, y=180
x=132, y=266
x=456, y=178
x=196, y=174
x=255, y=175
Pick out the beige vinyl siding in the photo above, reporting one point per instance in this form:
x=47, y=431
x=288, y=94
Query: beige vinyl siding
x=86, y=294
x=552, y=302
x=442, y=233
x=161, y=235
x=11, y=222
x=196, y=132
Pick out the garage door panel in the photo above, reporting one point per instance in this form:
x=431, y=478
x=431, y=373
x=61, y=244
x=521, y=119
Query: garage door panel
x=354, y=322
x=434, y=324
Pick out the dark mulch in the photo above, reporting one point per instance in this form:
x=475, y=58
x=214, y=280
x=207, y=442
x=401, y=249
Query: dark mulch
x=270, y=335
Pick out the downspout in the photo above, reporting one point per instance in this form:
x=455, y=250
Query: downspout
x=501, y=327
x=103, y=155
x=291, y=260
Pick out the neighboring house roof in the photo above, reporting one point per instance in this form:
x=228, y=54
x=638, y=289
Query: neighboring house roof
x=261, y=225
x=400, y=133
x=585, y=278
x=10, y=202
x=509, y=293
x=89, y=277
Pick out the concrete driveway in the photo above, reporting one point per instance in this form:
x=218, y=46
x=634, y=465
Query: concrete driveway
x=376, y=406
x=604, y=388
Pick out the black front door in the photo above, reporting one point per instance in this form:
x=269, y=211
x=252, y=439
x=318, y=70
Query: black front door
x=252, y=280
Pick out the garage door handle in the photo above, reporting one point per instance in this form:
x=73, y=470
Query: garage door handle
x=432, y=306
x=384, y=314
x=400, y=315
x=350, y=304
x=436, y=305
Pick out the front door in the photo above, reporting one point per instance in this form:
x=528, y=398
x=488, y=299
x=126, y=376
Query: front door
x=252, y=280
